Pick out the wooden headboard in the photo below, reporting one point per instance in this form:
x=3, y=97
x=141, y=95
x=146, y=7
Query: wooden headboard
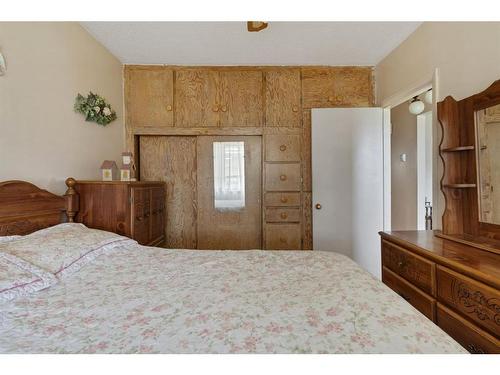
x=25, y=208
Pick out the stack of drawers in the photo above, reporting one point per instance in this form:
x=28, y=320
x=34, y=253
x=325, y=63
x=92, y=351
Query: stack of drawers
x=282, y=192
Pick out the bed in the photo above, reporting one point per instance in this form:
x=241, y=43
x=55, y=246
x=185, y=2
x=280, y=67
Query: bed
x=81, y=290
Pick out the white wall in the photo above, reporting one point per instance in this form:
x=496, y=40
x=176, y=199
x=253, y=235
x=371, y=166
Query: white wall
x=42, y=140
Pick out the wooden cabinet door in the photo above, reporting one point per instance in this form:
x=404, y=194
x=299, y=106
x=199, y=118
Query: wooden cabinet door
x=196, y=98
x=337, y=87
x=283, y=98
x=141, y=214
x=149, y=95
x=240, y=98
x=157, y=214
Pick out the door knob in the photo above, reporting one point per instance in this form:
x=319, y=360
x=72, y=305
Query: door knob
x=318, y=206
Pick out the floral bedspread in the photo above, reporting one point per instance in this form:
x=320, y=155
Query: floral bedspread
x=140, y=299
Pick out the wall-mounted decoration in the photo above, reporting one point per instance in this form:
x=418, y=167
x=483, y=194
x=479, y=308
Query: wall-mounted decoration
x=94, y=108
x=3, y=66
x=109, y=170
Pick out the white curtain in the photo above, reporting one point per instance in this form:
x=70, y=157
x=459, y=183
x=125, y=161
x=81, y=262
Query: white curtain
x=229, y=175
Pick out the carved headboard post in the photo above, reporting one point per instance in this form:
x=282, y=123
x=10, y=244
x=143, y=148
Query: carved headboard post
x=72, y=199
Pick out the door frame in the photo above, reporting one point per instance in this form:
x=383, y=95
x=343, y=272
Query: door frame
x=427, y=82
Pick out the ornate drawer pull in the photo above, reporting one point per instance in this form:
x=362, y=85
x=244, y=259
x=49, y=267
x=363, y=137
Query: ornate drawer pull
x=331, y=99
x=138, y=218
x=169, y=108
x=295, y=108
x=402, y=264
x=215, y=108
x=283, y=148
x=284, y=199
x=146, y=215
x=224, y=108
x=283, y=177
x=284, y=215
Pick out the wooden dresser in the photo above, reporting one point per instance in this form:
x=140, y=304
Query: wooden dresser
x=133, y=209
x=455, y=285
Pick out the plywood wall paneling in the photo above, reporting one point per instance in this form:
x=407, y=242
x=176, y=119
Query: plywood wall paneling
x=306, y=151
x=283, y=97
x=241, y=101
x=173, y=160
x=307, y=231
x=149, y=94
x=337, y=87
x=197, y=103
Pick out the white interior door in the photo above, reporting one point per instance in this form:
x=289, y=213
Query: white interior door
x=348, y=183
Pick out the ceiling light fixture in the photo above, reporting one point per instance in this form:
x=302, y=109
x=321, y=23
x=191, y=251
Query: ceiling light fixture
x=428, y=96
x=416, y=106
x=256, y=25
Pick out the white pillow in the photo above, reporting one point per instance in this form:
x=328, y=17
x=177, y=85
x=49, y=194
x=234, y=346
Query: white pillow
x=63, y=248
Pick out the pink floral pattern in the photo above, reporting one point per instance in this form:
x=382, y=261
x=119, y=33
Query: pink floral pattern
x=64, y=248
x=139, y=299
x=19, y=278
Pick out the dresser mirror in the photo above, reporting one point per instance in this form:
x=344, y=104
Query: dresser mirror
x=488, y=161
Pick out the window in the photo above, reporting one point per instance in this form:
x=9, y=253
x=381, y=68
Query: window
x=229, y=175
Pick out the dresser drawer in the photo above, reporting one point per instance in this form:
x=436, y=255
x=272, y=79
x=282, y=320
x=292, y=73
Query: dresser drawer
x=141, y=214
x=476, y=301
x=414, y=296
x=467, y=334
x=281, y=199
x=282, y=177
x=282, y=215
x=415, y=269
x=282, y=147
x=283, y=237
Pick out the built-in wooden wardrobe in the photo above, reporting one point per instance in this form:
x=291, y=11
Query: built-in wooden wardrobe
x=174, y=114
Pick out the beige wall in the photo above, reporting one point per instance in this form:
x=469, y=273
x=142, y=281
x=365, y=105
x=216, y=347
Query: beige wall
x=467, y=56
x=42, y=140
x=404, y=174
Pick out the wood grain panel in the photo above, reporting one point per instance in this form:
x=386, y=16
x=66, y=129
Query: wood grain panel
x=283, y=97
x=306, y=151
x=282, y=177
x=414, y=296
x=337, y=87
x=141, y=214
x=196, y=98
x=282, y=147
x=235, y=229
x=413, y=268
x=471, y=337
x=475, y=300
x=307, y=229
x=282, y=199
x=283, y=215
x=283, y=237
x=173, y=160
x=149, y=95
x=241, y=102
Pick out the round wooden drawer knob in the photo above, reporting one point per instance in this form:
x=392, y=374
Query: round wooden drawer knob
x=283, y=148
x=169, y=108
x=284, y=199
x=224, y=108
x=215, y=108
x=331, y=99
x=284, y=215
x=283, y=177
x=295, y=108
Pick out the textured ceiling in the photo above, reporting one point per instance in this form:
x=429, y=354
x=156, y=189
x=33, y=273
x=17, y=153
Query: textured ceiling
x=229, y=43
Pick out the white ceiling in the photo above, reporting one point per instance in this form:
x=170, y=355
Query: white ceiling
x=229, y=43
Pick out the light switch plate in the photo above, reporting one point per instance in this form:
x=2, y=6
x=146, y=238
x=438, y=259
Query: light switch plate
x=3, y=67
x=402, y=157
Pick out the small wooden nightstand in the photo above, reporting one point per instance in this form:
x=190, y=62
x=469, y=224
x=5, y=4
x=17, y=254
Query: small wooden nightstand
x=133, y=209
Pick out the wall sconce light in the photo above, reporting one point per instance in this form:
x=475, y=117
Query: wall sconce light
x=3, y=67
x=416, y=106
x=428, y=96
